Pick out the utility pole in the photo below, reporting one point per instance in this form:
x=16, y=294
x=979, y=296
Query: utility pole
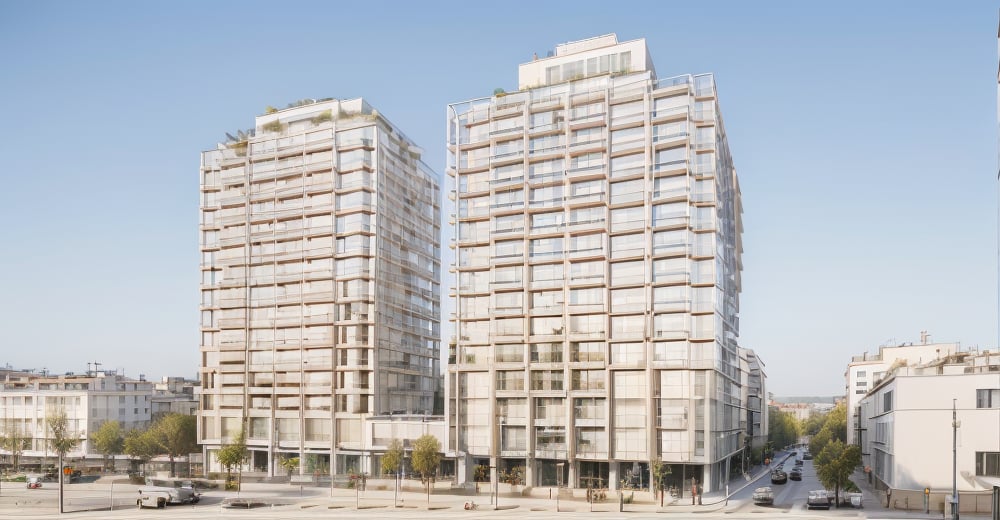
x=954, y=460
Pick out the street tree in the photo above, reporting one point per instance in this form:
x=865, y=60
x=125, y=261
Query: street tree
x=233, y=454
x=108, y=440
x=835, y=464
x=176, y=435
x=659, y=472
x=783, y=428
x=392, y=462
x=425, y=458
x=14, y=440
x=140, y=446
x=61, y=440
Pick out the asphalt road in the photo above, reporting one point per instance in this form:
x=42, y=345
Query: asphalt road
x=788, y=497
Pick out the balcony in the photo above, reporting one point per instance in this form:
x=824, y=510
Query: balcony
x=597, y=170
x=677, y=166
x=591, y=145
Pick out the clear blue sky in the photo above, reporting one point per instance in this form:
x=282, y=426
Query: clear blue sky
x=864, y=135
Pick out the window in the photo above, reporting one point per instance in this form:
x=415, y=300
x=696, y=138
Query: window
x=547, y=380
x=586, y=351
x=588, y=379
x=546, y=352
x=988, y=398
x=510, y=380
x=887, y=402
x=862, y=374
x=987, y=464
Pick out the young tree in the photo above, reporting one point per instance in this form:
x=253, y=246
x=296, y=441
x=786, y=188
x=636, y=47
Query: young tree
x=233, y=454
x=290, y=464
x=176, y=435
x=61, y=439
x=108, y=440
x=140, y=446
x=835, y=464
x=425, y=458
x=659, y=472
x=392, y=461
x=14, y=440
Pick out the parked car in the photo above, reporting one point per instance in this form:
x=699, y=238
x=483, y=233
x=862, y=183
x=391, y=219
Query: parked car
x=34, y=482
x=149, y=495
x=807, y=456
x=779, y=477
x=763, y=496
x=818, y=499
x=796, y=474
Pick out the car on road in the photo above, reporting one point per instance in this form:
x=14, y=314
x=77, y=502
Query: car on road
x=818, y=499
x=807, y=456
x=34, y=482
x=763, y=496
x=149, y=496
x=796, y=474
x=779, y=477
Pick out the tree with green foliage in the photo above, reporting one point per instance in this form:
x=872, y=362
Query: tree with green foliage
x=176, y=435
x=108, y=440
x=233, y=454
x=15, y=440
x=425, y=459
x=140, y=446
x=834, y=428
x=835, y=464
x=392, y=460
x=782, y=428
x=61, y=440
x=659, y=472
x=290, y=464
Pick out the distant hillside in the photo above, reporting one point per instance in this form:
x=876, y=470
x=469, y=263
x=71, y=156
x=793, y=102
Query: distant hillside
x=806, y=399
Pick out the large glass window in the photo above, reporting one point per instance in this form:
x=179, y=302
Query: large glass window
x=587, y=272
x=545, y=326
x=988, y=398
x=543, y=301
x=546, y=247
x=628, y=273
x=587, y=351
x=583, y=245
x=626, y=219
x=547, y=380
x=588, y=379
x=588, y=324
x=547, y=273
x=623, y=246
x=628, y=191
x=508, y=249
x=547, y=352
x=628, y=300
x=548, y=222
x=632, y=326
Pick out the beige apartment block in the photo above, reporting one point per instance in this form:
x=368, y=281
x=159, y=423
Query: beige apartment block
x=29, y=400
x=598, y=259
x=320, y=285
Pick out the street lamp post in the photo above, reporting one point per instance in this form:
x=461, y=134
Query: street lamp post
x=954, y=460
x=559, y=474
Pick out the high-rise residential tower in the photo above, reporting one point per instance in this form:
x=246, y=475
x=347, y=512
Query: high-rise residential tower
x=598, y=259
x=320, y=284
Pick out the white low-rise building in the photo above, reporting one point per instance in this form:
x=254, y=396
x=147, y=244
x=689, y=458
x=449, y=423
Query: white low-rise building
x=28, y=401
x=865, y=370
x=908, y=418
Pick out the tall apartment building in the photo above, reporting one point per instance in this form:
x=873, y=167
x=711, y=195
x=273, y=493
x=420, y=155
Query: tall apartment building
x=864, y=372
x=29, y=400
x=598, y=274
x=320, y=284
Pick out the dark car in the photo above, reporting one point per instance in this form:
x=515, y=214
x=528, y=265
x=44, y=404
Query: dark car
x=807, y=456
x=779, y=477
x=798, y=463
x=796, y=474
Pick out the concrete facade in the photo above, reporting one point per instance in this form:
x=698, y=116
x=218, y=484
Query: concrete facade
x=598, y=247
x=320, y=293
